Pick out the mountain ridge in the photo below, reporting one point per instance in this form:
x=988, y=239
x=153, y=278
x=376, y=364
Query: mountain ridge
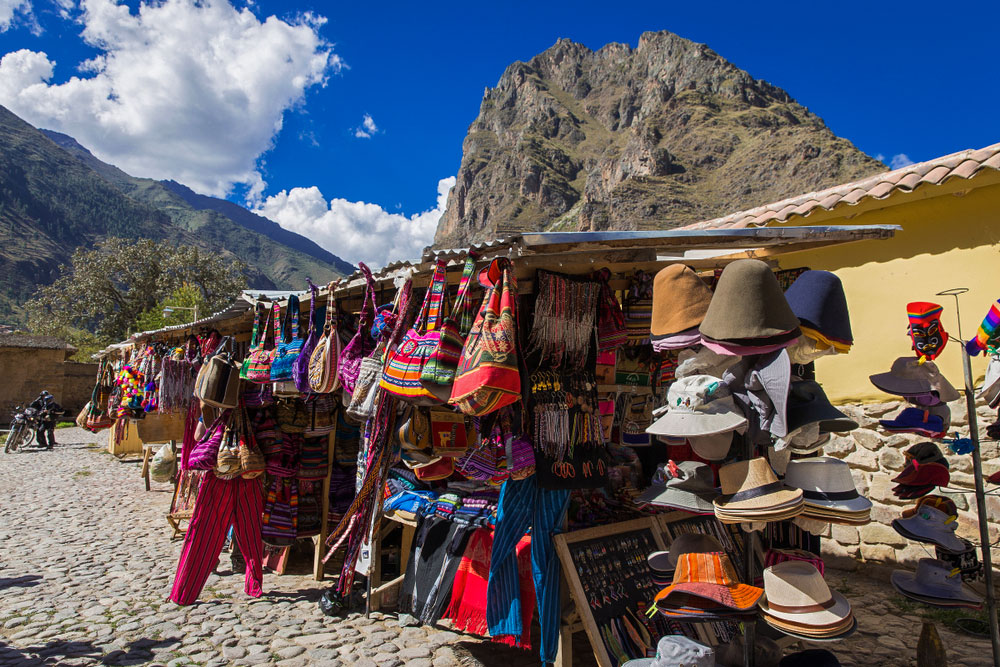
x=56, y=196
x=660, y=135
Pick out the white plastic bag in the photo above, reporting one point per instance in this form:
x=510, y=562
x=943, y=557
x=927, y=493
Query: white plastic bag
x=163, y=465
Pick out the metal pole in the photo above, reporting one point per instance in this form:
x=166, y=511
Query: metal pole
x=977, y=471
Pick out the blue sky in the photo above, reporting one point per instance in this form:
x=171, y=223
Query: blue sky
x=896, y=80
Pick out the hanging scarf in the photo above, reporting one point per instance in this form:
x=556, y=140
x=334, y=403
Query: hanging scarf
x=987, y=333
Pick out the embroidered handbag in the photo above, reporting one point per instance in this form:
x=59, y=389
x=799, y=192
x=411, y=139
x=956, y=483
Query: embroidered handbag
x=280, y=517
x=437, y=469
x=612, y=332
x=439, y=369
x=415, y=430
x=404, y=364
x=488, y=377
x=322, y=415
x=293, y=416
x=362, y=404
x=639, y=308
x=300, y=367
x=288, y=342
x=205, y=452
x=450, y=435
x=323, y=362
x=258, y=363
x=312, y=459
x=355, y=351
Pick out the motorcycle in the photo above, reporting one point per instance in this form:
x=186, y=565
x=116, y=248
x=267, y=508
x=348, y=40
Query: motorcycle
x=24, y=424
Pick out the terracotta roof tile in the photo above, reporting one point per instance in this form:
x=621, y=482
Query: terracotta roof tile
x=966, y=169
x=935, y=175
x=964, y=164
x=909, y=181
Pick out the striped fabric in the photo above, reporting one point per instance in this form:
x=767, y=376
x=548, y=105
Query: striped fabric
x=987, y=332
x=221, y=504
x=312, y=458
x=639, y=308
x=524, y=505
x=710, y=576
x=281, y=512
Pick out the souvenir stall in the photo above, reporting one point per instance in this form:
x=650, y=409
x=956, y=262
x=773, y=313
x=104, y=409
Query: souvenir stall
x=582, y=422
x=616, y=433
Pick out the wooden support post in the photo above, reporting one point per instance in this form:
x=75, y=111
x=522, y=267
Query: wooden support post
x=324, y=530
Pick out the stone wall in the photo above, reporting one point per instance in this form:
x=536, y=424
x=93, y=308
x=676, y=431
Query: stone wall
x=876, y=456
x=27, y=371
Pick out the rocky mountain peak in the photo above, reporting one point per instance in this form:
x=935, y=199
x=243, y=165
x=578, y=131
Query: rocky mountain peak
x=657, y=136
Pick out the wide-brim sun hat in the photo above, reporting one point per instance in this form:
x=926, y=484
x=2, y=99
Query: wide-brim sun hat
x=930, y=524
x=826, y=482
x=748, y=305
x=795, y=592
x=712, y=447
x=752, y=485
x=688, y=485
x=710, y=576
x=934, y=579
x=697, y=405
x=808, y=404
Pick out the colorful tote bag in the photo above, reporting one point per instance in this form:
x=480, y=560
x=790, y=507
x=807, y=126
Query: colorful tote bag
x=300, y=368
x=404, y=364
x=258, y=363
x=245, y=367
x=324, y=361
x=439, y=368
x=639, y=308
x=357, y=350
x=288, y=342
x=612, y=331
x=281, y=512
x=488, y=377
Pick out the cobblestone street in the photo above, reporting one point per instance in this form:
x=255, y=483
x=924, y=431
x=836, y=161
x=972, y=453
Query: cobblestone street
x=86, y=564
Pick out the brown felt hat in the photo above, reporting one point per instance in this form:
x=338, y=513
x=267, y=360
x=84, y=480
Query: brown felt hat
x=748, y=304
x=680, y=300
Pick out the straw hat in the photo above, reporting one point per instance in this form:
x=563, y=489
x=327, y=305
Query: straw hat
x=748, y=306
x=698, y=405
x=796, y=594
x=711, y=577
x=826, y=482
x=752, y=485
x=680, y=301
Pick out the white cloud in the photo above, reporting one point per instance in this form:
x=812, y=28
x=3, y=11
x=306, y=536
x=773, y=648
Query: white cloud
x=191, y=91
x=899, y=161
x=356, y=230
x=367, y=129
x=10, y=7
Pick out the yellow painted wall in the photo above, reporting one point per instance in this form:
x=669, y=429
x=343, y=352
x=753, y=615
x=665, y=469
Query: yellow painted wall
x=950, y=238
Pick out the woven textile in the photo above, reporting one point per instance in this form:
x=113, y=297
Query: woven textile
x=563, y=324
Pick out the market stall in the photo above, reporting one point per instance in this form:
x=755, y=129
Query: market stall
x=633, y=414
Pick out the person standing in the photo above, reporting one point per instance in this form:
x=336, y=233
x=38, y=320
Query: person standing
x=48, y=411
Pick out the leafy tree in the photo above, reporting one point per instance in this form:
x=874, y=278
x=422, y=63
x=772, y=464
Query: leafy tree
x=106, y=290
x=183, y=299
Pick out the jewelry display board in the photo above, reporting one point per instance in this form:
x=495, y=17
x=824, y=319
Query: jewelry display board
x=595, y=556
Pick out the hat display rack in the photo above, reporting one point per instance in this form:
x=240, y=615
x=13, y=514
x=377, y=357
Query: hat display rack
x=977, y=471
x=933, y=519
x=734, y=403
